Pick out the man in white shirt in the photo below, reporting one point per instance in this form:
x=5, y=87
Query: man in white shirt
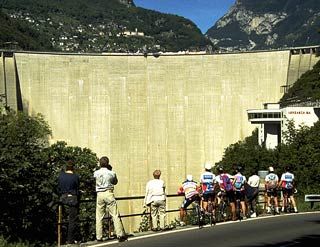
x=105, y=181
x=253, y=182
x=155, y=198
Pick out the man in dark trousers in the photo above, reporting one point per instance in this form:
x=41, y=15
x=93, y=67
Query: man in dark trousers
x=68, y=187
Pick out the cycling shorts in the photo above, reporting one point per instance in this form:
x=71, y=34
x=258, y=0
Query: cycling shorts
x=240, y=195
x=188, y=201
x=209, y=195
x=272, y=192
x=287, y=192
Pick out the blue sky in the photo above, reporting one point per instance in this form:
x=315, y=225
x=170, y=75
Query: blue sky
x=204, y=13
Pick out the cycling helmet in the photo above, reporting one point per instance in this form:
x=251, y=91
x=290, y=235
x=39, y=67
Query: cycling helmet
x=207, y=166
x=220, y=169
x=238, y=169
x=189, y=177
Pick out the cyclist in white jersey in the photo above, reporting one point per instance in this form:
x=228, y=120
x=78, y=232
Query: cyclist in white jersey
x=190, y=189
x=287, y=185
x=207, y=183
x=271, y=186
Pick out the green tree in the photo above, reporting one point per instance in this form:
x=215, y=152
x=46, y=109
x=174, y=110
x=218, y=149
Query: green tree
x=248, y=154
x=29, y=171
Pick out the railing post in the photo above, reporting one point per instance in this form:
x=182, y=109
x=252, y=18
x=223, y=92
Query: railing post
x=150, y=218
x=59, y=224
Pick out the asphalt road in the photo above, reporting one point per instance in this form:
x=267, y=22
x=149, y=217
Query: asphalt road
x=292, y=230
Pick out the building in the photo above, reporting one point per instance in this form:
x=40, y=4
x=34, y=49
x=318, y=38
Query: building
x=273, y=121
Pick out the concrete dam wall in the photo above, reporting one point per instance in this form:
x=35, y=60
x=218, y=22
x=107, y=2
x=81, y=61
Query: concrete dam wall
x=170, y=112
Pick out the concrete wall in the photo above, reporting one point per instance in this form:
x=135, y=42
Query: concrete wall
x=168, y=112
x=299, y=64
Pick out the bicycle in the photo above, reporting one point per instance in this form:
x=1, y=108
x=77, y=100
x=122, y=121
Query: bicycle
x=273, y=209
x=209, y=212
x=197, y=212
x=221, y=212
x=289, y=206
x=238, y=209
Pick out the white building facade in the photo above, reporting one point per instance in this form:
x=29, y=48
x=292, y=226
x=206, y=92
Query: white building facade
x=272, y=121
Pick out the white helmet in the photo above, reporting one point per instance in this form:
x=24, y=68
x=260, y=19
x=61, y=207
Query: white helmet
x=207, y=166
x=189, y=177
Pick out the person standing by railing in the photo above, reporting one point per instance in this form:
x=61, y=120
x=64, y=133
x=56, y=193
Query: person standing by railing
x=68, y=188
x=288, y=186
x=190, y=190
x=156, y=198
x=271, y=185
x=106, y=179
x=253, y=182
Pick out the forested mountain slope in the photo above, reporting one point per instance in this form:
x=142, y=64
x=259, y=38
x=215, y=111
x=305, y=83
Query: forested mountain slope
x=95, y=26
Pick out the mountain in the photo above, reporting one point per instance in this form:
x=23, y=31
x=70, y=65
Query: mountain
x=268, y=24
x=95, y=26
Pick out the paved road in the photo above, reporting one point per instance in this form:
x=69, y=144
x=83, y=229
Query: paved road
x=292, y=230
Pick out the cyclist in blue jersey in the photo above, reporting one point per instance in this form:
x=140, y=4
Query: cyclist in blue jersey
x=238, y=184
x=287, y=185
x=207, y=183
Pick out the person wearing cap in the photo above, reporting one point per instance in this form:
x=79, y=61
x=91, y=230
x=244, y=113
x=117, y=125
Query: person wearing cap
x=190, y=189
x=155, y=197
x=271, y=184
x=106, y=179
x=207, y=183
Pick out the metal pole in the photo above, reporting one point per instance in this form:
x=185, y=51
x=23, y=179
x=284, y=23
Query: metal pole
x=59, y=225
x=150, y=217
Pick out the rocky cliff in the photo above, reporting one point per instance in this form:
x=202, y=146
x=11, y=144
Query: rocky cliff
x=272, y=24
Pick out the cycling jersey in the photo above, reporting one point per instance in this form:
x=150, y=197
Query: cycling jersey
x=207, y=180
x=271, y=181
x=239, y=181
x=190, y=188
x=287, y=180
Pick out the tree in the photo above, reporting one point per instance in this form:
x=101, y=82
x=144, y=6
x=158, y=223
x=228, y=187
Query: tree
x=29, y=171
x=248, y=154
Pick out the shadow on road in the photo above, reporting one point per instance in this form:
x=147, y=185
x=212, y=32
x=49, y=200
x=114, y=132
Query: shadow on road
x=302, y=241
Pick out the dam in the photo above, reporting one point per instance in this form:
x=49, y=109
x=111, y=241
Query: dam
x=172, y=112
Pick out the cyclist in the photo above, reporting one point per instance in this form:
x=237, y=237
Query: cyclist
x=207, y=183
x=226, y=189
x=190, y=189
x=238, y=184
x=287, y=185
x=271, y=184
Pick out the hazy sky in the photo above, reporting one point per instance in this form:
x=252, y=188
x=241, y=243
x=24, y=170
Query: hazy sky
x=204, y=13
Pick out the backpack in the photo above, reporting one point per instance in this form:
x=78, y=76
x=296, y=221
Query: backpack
x=238, y=182
x=226, y=183
x=272, y=184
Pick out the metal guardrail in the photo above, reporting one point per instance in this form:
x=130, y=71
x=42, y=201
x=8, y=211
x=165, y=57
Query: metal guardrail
x=109, y=219
x=312, y=198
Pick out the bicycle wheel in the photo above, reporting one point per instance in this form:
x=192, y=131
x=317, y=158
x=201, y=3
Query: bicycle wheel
x=223, y=211
x=198, y=215
x=238, y=209
x=211, y=214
